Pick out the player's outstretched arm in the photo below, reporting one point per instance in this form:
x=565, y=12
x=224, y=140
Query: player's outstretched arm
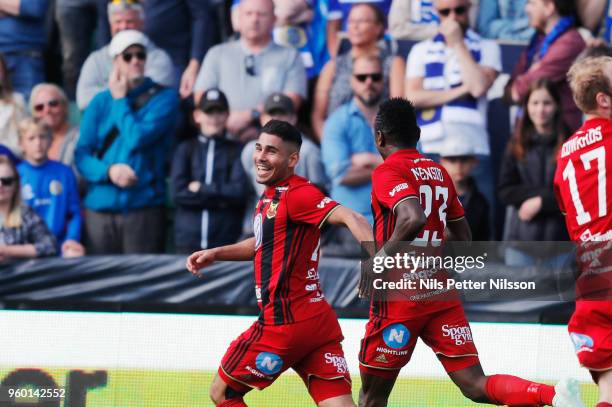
x=410, y=219
x=458, y=230
x=241, y=251
x=355, y=222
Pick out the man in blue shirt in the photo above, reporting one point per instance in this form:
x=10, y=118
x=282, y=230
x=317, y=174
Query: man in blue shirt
x=125, y=138
x=348, y=149
x=50, y=187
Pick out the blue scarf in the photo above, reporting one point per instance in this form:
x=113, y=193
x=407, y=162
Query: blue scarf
x=564, y=24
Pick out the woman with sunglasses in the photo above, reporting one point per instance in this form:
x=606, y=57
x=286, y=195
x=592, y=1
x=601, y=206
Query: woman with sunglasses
x=23, y=233
x=365, y=27
x=49, y=104
x=12, y=110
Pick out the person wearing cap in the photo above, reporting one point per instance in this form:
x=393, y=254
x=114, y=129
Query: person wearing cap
x=459, y=160
x=122, y=15
x=208, y=184
x=280, y=107
x=121, y=153
x=251, y=68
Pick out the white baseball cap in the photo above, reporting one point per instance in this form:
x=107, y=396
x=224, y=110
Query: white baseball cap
x=125, y=39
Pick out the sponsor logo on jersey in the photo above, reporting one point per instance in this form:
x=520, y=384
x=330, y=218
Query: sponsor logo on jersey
x=269, y=363
x=258, y=293
x=460, y=334
x=396, y=336
x=381, y=358
x=582, y=343
x=26, y=192
x=271, y=212
x=338, y=361
x=312, y=274
x=257, y=230
x=311, y=287
x=324, y=202
x=318, y=298
x=397, y=189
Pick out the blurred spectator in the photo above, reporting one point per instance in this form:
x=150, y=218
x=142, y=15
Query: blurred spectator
x=77, y=20
x=528, y=170
x=413, y=19
x=95, y=74
x=125, y=138
x=49, y=103
x=596, y=51
x=365, y=27
x=4, y=150
x=551, y=51
x=209, y=186
x=504, y=20
x=459, y=161
x=50, y=187
x=596, y=16
x=348, y=149
x=22, y=39
x=447, y=79
x=23, y=233
x=12, y=110
x=300, y=24
x=338, y=15
x=185, y=29
x=280, y=107
x=251, y=68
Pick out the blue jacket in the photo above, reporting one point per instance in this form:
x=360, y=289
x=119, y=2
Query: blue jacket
x=143, y=144
x=25, y=32
x=51, y=190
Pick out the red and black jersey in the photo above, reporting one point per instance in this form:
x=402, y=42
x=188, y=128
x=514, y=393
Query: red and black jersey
x=406, y=174
x=286, y=224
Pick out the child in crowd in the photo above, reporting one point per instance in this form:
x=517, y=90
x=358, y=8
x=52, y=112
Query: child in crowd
x=209, y=186
x=459, y=160
x=50, y=187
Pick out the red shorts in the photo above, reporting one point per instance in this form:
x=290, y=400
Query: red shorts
x=388, y=343
x=591, y=331
x=312, y=348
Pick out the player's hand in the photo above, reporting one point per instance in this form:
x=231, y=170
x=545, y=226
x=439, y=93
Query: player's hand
x=452, y=32
x=530, y=208
x=199, y=260
x=72, y=248
x=366, y=280
x=122, y=175
x=117, y=83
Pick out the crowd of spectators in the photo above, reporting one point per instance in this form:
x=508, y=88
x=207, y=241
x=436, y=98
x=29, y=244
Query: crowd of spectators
x=143, y=142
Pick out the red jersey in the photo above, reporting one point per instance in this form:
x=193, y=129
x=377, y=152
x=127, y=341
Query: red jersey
x=286, y=224
x=581, y=186
x=406, y=174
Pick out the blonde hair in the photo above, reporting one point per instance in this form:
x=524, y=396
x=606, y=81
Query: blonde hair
x=29, y=124
x=13, y=220
x=587, y=78
x=49, y=86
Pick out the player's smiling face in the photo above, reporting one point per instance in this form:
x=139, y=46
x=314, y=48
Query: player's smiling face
x=274, y=159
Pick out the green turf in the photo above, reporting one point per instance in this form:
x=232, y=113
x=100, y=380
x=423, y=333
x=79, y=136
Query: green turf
x=151, y=388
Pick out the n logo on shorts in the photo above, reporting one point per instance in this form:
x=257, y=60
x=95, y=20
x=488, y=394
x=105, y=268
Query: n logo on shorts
x=269, y=363
x=396, y=336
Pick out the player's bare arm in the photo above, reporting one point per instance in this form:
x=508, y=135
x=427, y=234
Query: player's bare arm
x=409, y=222
x=355, y=222
x=458, y=230
x=241, y=251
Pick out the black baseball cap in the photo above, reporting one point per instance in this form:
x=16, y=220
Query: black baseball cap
x=279, y=103
x=213, y=99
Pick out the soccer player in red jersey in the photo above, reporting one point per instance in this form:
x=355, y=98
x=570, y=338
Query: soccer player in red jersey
x=296, y=328
x=413, y=200
x=584, y=193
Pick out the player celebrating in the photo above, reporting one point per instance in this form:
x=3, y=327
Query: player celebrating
x=285, y=251
x=411, y=203
x=584, y=193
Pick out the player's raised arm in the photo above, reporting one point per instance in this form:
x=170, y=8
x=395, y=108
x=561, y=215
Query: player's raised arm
x=410, y=219
x=458, y=230
x=241, y=251
x=355, y=222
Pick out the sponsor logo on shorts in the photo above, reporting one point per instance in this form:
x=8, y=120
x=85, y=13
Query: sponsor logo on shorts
x=269, y=363
x=460, y=334
x=256, y=373
x=312, y=274
x=381, y=358
x=338, y=361
x=396, y=336
x=391, y=351
x=311, y=287
x=318, y=298
x=582, y=343
x=397, y=189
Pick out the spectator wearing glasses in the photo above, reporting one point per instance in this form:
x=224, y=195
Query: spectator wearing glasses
x=122, y=15
x=121, y=153
x=49, y=104
x=50, y=187
x=23, y=234
x=251, y=68
x=348, y=149
x=447, y=79
x=12, y=110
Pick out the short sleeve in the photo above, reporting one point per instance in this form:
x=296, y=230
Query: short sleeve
x=455, y=210
x=415, y=67
x=557, y=191
x=307, y=204
x=390, y=188
x=491, y=55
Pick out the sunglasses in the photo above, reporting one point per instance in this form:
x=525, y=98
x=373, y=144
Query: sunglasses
x=51, y=103
x=140, y=55
x=7, y=181
x=362, y=77
x=249, y=65
x=445, y=12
